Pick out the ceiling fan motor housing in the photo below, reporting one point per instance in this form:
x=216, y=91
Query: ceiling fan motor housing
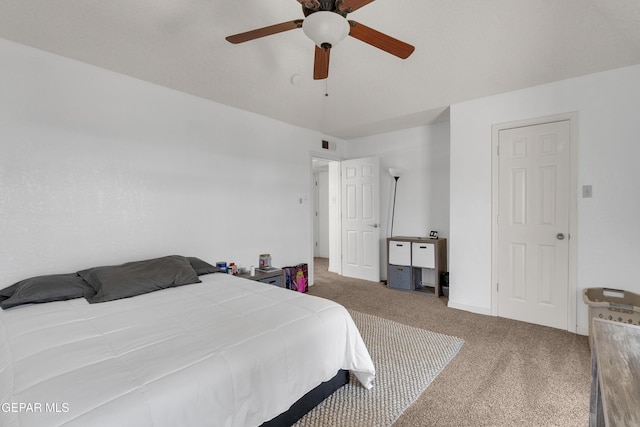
x=312, y=6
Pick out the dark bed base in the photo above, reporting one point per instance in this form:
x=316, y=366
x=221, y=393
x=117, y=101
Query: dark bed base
x=309, y=401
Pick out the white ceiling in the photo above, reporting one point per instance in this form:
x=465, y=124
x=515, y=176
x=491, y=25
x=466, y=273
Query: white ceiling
x=465, y=49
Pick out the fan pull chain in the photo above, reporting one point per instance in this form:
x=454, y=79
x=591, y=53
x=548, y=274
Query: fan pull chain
x=326, y=81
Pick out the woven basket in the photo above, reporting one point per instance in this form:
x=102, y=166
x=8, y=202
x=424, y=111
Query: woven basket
x=612, y=304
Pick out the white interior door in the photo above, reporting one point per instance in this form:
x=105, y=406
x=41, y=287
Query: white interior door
x=316, y=220
x=322, y=215
x=361, y=218
x=335, y=218
x=533, y=223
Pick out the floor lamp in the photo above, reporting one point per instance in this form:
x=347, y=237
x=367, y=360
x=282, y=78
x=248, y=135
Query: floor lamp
x=395, y=173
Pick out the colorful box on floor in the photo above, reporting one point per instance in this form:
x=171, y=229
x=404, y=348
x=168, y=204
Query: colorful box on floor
x=296, y=277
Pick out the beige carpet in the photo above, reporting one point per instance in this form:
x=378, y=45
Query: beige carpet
x=508, y=373
x=407, y=359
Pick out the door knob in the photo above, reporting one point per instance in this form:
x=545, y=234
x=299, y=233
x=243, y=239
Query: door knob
x=373, y=225
x=560, y=236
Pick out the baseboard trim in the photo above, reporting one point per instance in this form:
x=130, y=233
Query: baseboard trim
x=582, y=330
x=470, y=308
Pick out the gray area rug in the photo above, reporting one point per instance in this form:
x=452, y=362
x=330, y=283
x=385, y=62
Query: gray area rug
x=407, y=360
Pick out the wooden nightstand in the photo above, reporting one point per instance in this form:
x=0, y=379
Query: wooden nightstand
x=272, y=277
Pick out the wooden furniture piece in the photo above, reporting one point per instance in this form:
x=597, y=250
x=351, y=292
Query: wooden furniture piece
x=271, y=277
x=615, y=374
x=416, y=263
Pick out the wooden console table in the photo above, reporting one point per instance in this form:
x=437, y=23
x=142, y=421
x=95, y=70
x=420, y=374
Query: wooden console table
x=615, y=374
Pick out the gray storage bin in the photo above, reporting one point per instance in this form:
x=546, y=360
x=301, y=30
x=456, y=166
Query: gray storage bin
x=399, y=277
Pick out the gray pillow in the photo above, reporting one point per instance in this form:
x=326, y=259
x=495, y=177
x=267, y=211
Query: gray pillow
x=202, y=267
x=139, y=277
x=56, y=287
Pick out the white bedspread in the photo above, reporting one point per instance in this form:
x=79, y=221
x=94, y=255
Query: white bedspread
x=225, y=352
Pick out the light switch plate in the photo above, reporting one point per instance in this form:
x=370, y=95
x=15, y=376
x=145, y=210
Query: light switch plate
x=587, y=192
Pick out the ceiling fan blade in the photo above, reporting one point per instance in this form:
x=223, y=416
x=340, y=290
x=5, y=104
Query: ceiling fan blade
x=351, y=5
x=380, y=40
x=321, y=63
x=265, y=31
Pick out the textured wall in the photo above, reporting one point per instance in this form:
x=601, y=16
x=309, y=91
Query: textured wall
x=99, y=168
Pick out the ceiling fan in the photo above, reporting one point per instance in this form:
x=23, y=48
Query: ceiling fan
x=325, y=23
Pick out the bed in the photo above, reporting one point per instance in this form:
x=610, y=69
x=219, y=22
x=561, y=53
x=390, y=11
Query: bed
x=222, y=352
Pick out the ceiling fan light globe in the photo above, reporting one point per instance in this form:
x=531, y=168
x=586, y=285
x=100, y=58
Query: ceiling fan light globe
x=325, y=27
x=395, y=172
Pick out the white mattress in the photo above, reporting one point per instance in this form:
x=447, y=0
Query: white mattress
x=225, y=352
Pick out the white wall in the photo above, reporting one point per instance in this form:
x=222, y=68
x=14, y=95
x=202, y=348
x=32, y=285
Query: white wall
x=422, y=199
x=608, y=107
x=98, y=168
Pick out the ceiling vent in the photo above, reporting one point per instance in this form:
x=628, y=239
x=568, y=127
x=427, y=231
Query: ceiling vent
x=331, y=146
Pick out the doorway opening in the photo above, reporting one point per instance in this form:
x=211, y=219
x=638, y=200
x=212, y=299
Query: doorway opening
x=326, y=212
x=346, y=215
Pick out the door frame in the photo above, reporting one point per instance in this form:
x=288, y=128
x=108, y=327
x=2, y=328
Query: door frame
x=324, y=156
x=572, y=118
